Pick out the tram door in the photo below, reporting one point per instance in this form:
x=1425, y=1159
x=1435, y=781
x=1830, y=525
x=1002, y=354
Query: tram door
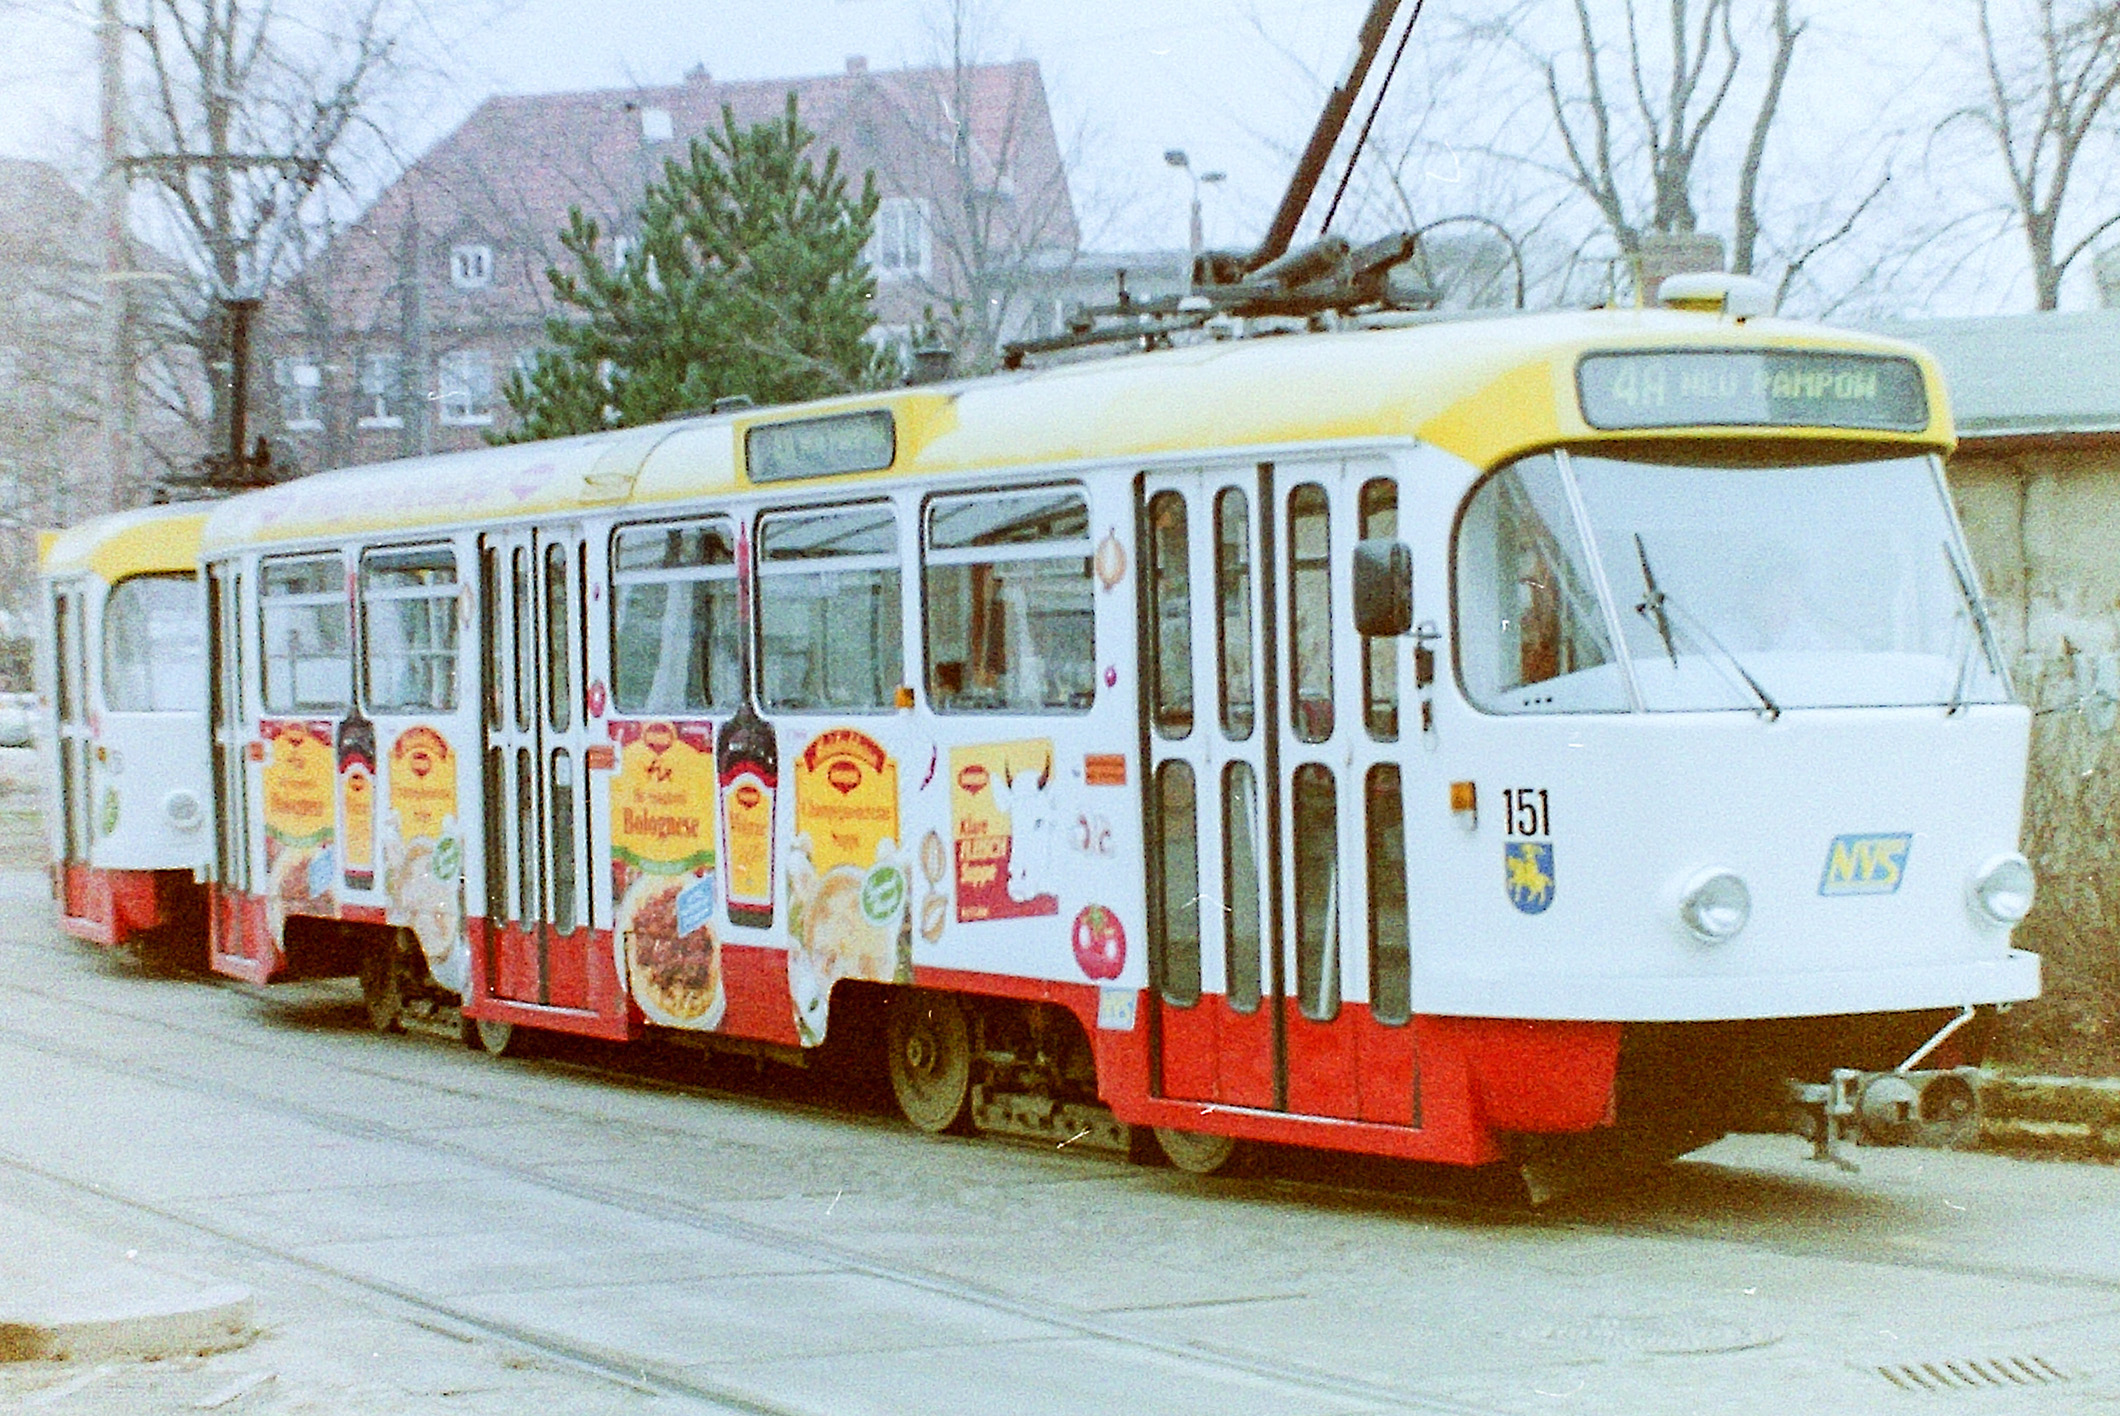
x=231, y=770
x=538, y=895
x=1278, y=918
x=75, y=745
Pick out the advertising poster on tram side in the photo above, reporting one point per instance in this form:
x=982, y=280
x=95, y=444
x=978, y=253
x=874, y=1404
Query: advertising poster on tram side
x=1003, y=818
x=663, y=872
x=423, y=854
x=848, y=886
x=298, y=778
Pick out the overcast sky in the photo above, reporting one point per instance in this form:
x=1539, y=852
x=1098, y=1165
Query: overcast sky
x=1228, y=80
x=1234, y=82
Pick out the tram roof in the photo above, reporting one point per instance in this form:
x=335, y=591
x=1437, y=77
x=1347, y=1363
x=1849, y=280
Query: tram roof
x=146, y=541
x=1485, y=389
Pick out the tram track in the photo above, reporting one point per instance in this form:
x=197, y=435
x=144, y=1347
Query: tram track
x=1066, y=1321
x=1837, y=1247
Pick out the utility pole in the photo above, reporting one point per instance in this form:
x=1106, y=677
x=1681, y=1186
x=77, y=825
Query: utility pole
x=120, y=412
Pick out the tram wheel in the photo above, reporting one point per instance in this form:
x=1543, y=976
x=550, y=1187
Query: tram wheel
x=382, y=986
x=502, y=1039
x=1196, y=1153
x=930, y=1053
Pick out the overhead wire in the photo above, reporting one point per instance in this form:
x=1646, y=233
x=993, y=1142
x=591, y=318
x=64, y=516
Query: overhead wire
x=1362, y=138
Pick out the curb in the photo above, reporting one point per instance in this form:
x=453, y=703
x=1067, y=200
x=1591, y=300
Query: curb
x=124, y=1311
x=2073, y=1117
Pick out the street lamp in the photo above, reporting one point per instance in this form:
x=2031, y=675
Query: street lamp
x=1176, y=157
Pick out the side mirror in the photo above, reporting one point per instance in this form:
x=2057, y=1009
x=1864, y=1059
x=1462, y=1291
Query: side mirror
x=1383, y=588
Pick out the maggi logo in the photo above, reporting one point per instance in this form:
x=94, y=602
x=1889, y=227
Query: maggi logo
x=1866, y=864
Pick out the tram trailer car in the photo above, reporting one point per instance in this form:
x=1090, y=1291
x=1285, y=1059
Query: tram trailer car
x=1465, y=741
x=122, y=726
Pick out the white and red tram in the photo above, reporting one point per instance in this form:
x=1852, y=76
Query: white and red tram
x=122, y=724
x=1412, y=740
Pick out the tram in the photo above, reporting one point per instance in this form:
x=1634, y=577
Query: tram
x=1452, y=741
x=123, y=723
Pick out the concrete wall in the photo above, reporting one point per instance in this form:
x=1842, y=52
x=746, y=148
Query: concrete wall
x=2044, y=524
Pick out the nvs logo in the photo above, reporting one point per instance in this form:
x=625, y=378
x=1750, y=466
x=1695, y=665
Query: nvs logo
x=1866, y=865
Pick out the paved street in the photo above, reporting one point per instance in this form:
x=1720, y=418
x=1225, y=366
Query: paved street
x=430, y=1229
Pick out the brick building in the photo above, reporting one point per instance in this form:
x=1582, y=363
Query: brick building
x=399, y=339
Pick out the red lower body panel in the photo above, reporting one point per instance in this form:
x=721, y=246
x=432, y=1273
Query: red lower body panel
x=111, y=906
x=1431, y=1089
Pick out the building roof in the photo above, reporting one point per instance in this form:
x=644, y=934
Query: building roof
x=2039, y=375
x=508, y=175
x=1485, y=390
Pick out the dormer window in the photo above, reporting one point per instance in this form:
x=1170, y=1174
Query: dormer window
x=471, y=267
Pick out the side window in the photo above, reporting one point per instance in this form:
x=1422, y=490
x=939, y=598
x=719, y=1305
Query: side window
x=830, y=610
x=523, y=601
x=1531, y=637
x=1010, y=611
x=1379, y=508
x=1310, y=613
x=302, y=604
x=1241, y=925
x=1233, y=541
x=676, y=645
x=559, y=619
x=154, y=641
x=408, y=629
x=1317, y=891
x=1170, y=617
x=1390, y=946
x=1178, y=908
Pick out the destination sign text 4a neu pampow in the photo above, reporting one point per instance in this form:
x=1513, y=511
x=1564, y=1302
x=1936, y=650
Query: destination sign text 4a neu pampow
x=1671, y=388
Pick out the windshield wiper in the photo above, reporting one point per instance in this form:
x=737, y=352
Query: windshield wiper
x=1659, y=609
x=1983, y=632
x=1652, y=606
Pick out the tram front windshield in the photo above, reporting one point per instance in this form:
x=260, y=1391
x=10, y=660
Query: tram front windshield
x=154, y=638
x=1695, y=587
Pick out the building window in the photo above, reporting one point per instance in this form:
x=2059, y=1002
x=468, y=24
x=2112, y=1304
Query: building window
x=381, y=390
x=655, y=125
x=299, y=381
x=465, y=379
x=899, y=250
x=471, y=267
x=623, y=249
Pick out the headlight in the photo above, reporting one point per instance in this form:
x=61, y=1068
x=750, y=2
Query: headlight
x=2002, y=889
x=1715, y=905
x=183, y=811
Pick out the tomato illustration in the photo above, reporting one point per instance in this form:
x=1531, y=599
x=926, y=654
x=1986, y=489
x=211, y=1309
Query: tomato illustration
x=1100, y=942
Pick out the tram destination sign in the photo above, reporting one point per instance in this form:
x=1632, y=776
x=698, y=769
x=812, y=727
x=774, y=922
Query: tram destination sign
x=1691, y=388
x=821, y=447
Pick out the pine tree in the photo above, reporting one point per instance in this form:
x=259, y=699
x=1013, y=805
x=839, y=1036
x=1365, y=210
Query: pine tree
x=748, y=279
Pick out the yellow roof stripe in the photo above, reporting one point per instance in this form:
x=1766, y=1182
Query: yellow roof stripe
x=148, y=541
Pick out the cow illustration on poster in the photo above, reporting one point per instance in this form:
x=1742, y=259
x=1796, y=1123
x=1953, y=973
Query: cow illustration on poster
x=298, y=780
x=848, y=886
x=1005, y=820
x=663, y=872
x=423, y=854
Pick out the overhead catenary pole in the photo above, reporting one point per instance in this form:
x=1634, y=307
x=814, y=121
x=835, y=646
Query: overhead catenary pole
x=107, y=486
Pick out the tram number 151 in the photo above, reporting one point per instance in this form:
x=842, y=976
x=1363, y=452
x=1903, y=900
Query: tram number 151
x=1524, y=812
